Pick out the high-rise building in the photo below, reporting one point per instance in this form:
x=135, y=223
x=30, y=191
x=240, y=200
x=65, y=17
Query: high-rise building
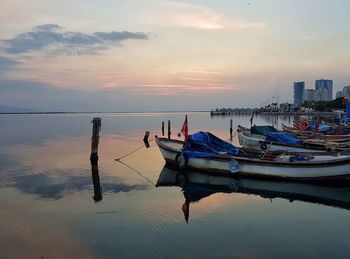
x=326, y=88
x=339, y=94
x=346, y=92
x=299, y=88
x=309, y=95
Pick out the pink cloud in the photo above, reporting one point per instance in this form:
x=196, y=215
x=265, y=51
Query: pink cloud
x=182, y=89
x=179, y=14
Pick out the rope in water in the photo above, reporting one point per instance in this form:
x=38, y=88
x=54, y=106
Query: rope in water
x=132, y=152
x=139, y=173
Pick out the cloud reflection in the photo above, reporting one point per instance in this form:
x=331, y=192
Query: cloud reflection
x=58, y=184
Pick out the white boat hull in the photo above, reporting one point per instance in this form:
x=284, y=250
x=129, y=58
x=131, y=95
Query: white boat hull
x=321, y=167
x=256, y=142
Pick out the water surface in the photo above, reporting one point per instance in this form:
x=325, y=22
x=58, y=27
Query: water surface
x=50, y=207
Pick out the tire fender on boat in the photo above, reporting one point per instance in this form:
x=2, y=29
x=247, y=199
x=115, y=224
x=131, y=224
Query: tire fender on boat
x=305, y=125
x=263, y=146
x=181, y=160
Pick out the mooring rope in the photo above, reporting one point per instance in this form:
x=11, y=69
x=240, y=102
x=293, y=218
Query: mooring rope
x=138, y=172
x=132, y=152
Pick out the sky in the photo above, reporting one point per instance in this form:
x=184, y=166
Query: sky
x=167, y=55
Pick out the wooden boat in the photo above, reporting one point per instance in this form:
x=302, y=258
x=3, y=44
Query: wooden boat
x=197, y=186
x=258, y=142
x=340, y=138
x=318, y=167
x=298, y=132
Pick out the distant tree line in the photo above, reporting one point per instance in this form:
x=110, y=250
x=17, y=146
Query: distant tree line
x=337, y=104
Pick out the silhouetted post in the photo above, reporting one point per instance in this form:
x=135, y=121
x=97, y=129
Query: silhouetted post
x=251, y=119
x=231, y=130
x=162, y=128
x=96, y=181
x=169, y=129
x=96, y=127
x=145, y=139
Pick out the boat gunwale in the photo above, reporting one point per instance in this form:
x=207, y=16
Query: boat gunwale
x=220, y=157
x=315, y=146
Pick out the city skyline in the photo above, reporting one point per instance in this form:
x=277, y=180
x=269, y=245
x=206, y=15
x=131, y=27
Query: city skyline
x=167, y=55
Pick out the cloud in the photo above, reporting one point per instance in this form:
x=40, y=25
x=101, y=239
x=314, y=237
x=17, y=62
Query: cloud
x=47, y=27
x=308, y=37
x=54, y=37
x=7, y=64
x=184, y=89
x=178, y=14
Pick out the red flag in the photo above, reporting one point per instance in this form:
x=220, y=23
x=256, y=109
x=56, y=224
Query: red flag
x=184, y=130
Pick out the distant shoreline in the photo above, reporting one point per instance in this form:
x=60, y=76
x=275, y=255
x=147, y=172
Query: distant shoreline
x=318, y=113
x=212, y=113
x=91, y=112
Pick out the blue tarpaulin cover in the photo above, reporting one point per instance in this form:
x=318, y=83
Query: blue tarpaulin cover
x=262, y=130
x=321, y=128
x=205, y=144
x=283, y=137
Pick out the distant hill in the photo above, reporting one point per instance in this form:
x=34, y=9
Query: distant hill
x=8, y=109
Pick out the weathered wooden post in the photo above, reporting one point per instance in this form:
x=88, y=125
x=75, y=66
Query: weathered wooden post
x=145, y=139
x=231, y=130
x=96, y=127
x=169, y=129
x=162, y=128
x=96, y=182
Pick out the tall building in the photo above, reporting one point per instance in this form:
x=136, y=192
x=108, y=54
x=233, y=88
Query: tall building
x=309, y=95
x=299, y=88
x=346, y=92
x=325, y=87
x=339, y=94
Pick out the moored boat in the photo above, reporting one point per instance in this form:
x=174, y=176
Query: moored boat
x=260, y=142
x=315, y=167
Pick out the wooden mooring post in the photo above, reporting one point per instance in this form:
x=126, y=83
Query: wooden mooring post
x=169, y=129
x=96, y=127
x=231, y=130
x=162, y=128
x=145, y=139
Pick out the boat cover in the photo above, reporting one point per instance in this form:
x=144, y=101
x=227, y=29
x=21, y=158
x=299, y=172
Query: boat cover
x=283, y=137
x=262, y=130
x=205, y=144
x=321, y=128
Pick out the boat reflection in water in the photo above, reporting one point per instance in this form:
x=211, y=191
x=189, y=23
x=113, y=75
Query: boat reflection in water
x=197, y=185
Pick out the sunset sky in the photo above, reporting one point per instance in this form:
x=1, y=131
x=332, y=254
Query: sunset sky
x=134, y=55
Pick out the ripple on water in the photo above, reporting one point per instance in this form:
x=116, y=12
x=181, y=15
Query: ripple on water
x=156, y=225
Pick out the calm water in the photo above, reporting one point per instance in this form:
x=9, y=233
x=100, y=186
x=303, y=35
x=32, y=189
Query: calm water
x=49, y=204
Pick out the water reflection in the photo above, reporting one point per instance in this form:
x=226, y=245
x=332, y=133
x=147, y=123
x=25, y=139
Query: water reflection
x=96, y=182
x=58, y=184
x=196, y=186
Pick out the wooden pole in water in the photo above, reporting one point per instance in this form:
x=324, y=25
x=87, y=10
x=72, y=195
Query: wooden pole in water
x=96, y=127
x=162, y=128
x=145, y=139
x=169, y=129
x=231, y=130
